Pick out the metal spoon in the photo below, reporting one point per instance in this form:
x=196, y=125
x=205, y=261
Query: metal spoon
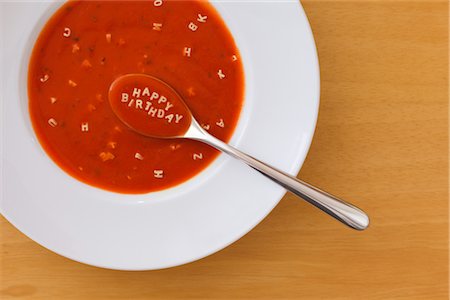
x=158, y=93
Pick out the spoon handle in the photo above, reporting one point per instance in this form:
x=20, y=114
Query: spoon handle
x=339, y=209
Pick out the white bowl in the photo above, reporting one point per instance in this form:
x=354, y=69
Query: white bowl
x=192, y=220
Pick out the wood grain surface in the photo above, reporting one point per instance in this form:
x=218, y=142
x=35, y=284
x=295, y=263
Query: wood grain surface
x=381, y=141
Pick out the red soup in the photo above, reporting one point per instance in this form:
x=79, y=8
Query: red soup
x=87, y=45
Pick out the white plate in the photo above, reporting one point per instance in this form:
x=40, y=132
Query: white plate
x=197, y=218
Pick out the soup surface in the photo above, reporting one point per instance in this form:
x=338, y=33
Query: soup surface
x=87, y=45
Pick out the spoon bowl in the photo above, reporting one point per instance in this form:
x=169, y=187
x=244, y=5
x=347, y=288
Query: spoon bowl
x=153, y=108
x=149, y=106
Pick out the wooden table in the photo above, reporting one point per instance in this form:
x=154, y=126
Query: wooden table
x=381, y=141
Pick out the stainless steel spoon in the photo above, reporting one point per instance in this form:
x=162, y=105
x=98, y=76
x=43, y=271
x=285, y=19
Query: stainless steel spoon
x=335, y=207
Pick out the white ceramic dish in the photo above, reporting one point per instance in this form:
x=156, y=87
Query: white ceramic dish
x=190, y=221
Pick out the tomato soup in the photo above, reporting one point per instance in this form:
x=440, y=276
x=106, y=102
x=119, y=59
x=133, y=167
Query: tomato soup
x=87, y=45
